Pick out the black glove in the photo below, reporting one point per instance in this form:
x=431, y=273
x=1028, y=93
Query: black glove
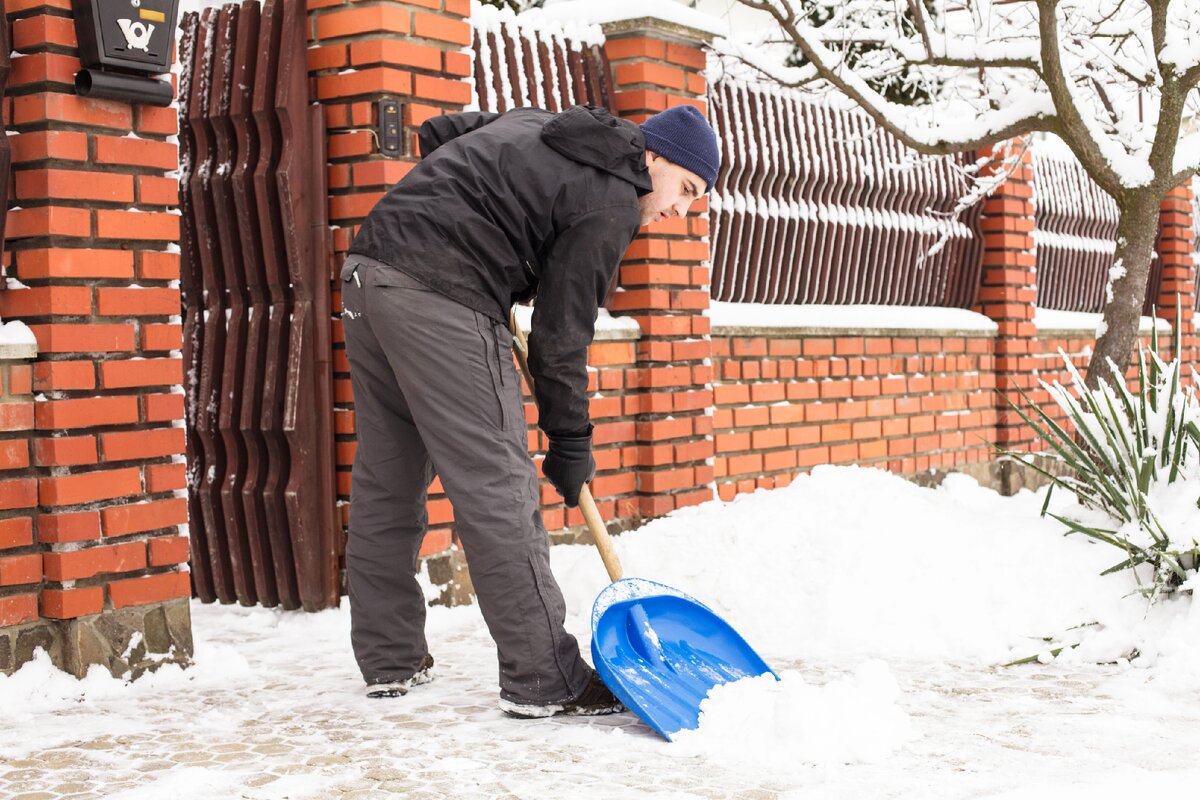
x=569, y=465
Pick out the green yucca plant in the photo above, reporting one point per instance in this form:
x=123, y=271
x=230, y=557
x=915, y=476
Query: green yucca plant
x=1123, y=445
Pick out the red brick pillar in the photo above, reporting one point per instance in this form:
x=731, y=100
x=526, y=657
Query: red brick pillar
x=20, y=557
x=412, y=52
x=1177, y=292
x=1007, y=295
x=95, y=252
x=664, y=282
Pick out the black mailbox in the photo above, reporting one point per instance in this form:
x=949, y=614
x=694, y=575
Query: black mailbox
x=120, y=41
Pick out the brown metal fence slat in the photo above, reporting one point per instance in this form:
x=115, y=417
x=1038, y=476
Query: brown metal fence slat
x=212, y=329
x=5, y=148
x=250, y=307
x=819, y=206
x=256, y=286
x=191, y=286
x=228, y=386
x=308, y=409
x=279, y=294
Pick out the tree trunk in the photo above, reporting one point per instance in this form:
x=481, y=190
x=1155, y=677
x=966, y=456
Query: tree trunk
x=1137, y=228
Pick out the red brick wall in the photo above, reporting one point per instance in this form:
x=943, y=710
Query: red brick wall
x=682, y=412
x=789, y=401
x=358, y=53
x=93, y=244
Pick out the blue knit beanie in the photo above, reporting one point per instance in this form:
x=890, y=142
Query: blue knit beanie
x=683, y=136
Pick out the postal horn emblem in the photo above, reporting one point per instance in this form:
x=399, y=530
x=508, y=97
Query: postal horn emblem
x=137, y=34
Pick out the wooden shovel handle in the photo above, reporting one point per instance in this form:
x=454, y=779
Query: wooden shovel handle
x=587, y=505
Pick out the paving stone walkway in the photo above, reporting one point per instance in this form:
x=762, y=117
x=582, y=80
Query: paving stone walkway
x=273, y=709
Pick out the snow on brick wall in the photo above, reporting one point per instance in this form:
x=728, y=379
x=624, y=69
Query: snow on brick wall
x=814, y=204
x=528, y=61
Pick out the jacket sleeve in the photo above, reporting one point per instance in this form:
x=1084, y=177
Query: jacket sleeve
x=436, y=131
x=575, y=279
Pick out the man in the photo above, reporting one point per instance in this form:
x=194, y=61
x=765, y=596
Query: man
x=503, y=207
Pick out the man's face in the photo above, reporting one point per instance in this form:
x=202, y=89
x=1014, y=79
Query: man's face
x=675, y=189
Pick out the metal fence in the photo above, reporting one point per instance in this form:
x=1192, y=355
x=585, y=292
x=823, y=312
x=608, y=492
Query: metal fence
x=1196, y=237
x=522, y=65
x=814, y=204
x=255, y=283
x=1075, y=235
x=5, y=150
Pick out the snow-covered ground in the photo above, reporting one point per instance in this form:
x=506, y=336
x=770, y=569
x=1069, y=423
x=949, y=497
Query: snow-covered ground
x=886, y=609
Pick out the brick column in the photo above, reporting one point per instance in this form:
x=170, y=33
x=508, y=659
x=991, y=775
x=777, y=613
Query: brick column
x=359, y=54
x=1007, y=295
x=94, y=245
x=664, y=282
x=1176, y=295
x=20, y=558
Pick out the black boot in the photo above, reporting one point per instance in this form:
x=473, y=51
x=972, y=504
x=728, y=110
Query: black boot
x=393, y=688
x=595, y=700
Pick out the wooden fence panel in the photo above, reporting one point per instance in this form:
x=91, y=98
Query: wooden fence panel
x=5, y=148
x=518, y=66
x=813, y=204
x=204, y=569
x=1196, y=237
x=1075, y=233
x=308, y=407
x=256, y=285
x=279, y=299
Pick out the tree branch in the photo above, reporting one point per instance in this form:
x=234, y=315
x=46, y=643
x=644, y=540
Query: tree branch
x=1189, y=79
x=1004, y=124
x=978, y=63
x=1078, y=137
x=917, y=9
x=1170, y=113
x=1185, y=174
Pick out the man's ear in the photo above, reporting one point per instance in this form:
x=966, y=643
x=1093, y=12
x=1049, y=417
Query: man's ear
x=650, y=156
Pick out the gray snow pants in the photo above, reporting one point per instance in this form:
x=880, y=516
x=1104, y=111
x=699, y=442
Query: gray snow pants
x=435, y=392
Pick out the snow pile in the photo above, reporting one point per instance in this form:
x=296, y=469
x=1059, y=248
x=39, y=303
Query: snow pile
x=38, y=689
x=882, y=605
x=577, y=28
x=774, y=724
x=589, y=11
x=855, y=562
x=16, y=332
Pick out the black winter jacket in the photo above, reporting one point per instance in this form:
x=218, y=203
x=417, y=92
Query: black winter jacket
x=504, y=207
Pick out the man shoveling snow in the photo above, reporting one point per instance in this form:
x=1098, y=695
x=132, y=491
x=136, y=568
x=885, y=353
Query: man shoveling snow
x=502, y=208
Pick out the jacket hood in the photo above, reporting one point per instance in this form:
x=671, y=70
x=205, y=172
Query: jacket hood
x=592, y=136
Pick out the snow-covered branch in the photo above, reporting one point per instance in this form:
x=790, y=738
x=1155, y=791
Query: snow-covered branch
x=1021, y=112
x=1111, y=77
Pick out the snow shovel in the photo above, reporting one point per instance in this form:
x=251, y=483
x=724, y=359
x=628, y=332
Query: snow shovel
x=657, y=649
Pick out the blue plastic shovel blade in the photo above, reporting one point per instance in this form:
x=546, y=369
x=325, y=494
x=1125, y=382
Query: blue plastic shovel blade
x=661, y=651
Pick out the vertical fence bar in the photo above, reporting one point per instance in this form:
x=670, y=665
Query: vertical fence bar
x=191, y=286
x=228, y=385
x=254, y=310
x=278, y=320
x=5, y=148
x=308, y=408
x=822, y=207
x=212, y=327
